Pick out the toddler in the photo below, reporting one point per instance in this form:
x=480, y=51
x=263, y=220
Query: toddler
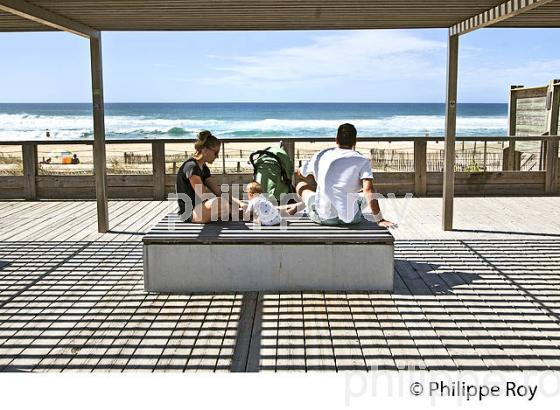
x=262, y=209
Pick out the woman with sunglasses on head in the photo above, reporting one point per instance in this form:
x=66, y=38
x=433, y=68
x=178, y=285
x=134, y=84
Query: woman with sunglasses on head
x=193, y=178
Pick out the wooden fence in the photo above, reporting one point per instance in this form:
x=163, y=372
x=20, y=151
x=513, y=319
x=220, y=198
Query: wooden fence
x=466, y=161
x=418, y=178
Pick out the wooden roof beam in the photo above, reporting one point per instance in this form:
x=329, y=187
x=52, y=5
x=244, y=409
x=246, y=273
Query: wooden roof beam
x=494, y=15
x=40, y=15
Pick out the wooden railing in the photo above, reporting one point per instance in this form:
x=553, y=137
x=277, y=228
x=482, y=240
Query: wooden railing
x=31, y=185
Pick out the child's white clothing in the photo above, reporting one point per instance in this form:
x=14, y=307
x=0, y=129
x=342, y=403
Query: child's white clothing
x=264, y=211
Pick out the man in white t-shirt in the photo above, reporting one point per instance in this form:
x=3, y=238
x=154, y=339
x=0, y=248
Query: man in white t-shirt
x=340, y=174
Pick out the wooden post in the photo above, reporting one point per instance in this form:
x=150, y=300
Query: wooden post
x=551, y=164
x=29, y=153
x=223, y=158
x=511, y=156
x=420, y=176
x=505, y=156
x=509, y=162
x=551, y=175
x=542, y=156
x=290, y=147
x=158, y=167
x=485, y=155
x=450, y=130
x=99, y=156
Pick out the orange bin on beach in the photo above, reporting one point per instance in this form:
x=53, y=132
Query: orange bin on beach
x=66, y=160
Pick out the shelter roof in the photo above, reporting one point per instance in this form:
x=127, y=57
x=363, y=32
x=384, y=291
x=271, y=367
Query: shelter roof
x=149, y=15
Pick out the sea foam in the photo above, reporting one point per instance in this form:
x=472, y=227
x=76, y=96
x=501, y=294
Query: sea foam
x=24, y=126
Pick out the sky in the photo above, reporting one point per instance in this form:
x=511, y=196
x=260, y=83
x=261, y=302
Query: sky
x=289, y=66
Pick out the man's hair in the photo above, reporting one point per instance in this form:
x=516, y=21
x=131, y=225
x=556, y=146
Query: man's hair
x=254, y=188
x=346, y=135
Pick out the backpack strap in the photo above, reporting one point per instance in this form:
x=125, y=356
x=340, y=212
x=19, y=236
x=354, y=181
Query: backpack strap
x=252, y=159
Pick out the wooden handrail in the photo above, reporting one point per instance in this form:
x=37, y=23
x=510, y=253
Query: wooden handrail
x=159, y=178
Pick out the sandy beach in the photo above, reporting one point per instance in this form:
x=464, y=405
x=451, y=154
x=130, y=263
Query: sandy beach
x=136, y=158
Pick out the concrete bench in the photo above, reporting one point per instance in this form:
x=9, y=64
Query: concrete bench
x=241, y=256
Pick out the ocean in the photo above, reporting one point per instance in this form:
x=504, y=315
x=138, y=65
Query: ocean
x=246, y=120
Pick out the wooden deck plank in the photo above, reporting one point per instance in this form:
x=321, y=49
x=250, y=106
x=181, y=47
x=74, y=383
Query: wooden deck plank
x=72, y=299
x=474, y=328
x=140, y=217
x=46, y=223
x=462, y=354
x=198, y=310
x=345, y=341
x=209, y=346
x=522, y=324
x=17, y=207
x=319, y=349
x=43, y=336
x=26, y=221
x=21, y=308
x=270, y=322
x=74, y=349
x=134, y=322
x=174, y=352
x=103, y=337
x=121, y=219
x=244, y=334
x=86, y=357
x=430, y=346
x=368, y=329
x=149, y=343
x=495, y=352
x=229, y=333
x=76, y=232
x=290, y=348
x=54, y=225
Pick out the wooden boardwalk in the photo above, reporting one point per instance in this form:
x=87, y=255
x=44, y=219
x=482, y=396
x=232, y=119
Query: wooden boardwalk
x=486, y=296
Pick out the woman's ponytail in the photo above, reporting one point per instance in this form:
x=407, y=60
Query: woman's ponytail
x=205, y=140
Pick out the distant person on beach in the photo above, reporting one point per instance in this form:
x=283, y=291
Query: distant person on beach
x=194, y=177
x=48, y=134
x=75, y=159
x=332, y=181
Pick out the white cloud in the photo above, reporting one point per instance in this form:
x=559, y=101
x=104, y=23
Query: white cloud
x=375, y=65
x=487, y=81
x=532, y=73
x=373, y=56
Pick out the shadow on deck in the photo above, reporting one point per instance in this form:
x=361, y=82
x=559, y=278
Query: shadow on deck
x=457, y=304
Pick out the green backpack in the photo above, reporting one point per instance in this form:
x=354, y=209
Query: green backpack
x=273, y=169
